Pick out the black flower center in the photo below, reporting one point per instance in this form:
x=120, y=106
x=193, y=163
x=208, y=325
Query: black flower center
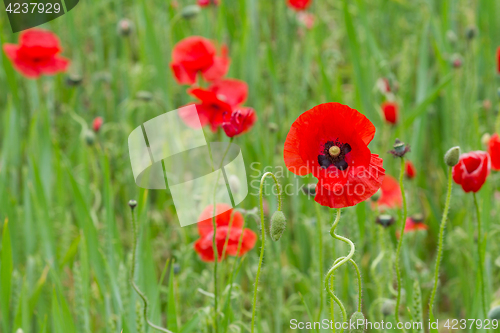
x=334, y=152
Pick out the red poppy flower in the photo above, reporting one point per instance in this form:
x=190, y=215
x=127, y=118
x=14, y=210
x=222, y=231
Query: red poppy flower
x=218, y=100
x=498, y=60
x=204, y=245
x=195, y=55
x=238, y=122
x=299, y=4
x=412, y=224
x=97, y=123
x=391, y=112
x=331, y=142
x=205, y=3
x=472, y=170
x=37, y=53
x=410, y=170
x=306, y=19
x=494, y=151
x=391, y=194
x=383, y=85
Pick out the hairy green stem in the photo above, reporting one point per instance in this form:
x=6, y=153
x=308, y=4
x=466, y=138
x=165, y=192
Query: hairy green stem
x=263, y=235
x=480, y=255
x=441, y=241
x=320, y=259
x=136, y=288
x=400, y=242
x=339, y=262
x=214, y=238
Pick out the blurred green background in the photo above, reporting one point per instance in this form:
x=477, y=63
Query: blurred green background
x=66, y=253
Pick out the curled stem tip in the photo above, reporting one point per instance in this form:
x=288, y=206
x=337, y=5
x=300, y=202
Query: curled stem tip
x=339, y=262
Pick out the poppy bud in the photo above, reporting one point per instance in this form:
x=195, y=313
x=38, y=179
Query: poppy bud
x=132, y=204
x=388, y=307
x=470, y=33
x=456, y=60
x=452, y=156
x=278, y=225
x=73, y=80
x=144, y=96
x=97, y=123
x=89, y=137
x=451, y=36
x=355, y=318
x=385, y=220
x=485, y=139
x=190, y=11
x=410, y=170
x=494, y=313
x=272, y=127
x=376, y=196
x=177, y=268
x=125, y=27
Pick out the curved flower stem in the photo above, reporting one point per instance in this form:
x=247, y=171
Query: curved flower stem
x=132, y=274
x=441, y=240
x=480, y=254
x=320, y=258
x=263, y=235
x=339, y=262
x=214, y=237
x=400, y=242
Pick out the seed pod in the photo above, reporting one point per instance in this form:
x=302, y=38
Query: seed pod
x=132, y=204
x=190, y=11
x=452, y=156
x=144, y=96
x=358, y=320
x=385, y=220
x=278, y=225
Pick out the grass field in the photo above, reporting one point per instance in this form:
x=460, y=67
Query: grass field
x=66, y=230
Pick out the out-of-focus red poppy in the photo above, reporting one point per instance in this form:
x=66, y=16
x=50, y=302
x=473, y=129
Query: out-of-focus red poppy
x=194, y=55
x=37, y=53
x=97, y=123
x=498, y=60
x=218, y=100
x=391, y=112
x=412, y=224
x=410, y=170
x=238, y=122
x=391, y=194
x=472, y=170
x=307, y=19
x=299, y=4
x=205, y=3
x=331, y=142
x=494, y=151
x=383, y=85
x=225, y=229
